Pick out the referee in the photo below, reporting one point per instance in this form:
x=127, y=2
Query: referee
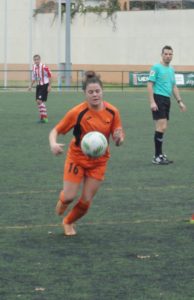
x=161, y=85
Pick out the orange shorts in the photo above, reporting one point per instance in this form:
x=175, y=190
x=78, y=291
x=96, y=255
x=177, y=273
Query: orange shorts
x=75, y=172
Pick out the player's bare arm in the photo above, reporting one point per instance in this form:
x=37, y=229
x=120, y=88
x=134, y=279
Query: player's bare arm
x=153, y=104
x=178, y=99
x=49, y=85
x=31, y=85
x=118, y=136
x=55, y=147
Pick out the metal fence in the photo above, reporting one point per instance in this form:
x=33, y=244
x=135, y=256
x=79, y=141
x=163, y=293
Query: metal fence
x=140, y=79
x=119, y=80
x=20, y=79
x=158, y=4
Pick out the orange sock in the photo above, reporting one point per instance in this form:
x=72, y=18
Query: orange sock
x=78, y=211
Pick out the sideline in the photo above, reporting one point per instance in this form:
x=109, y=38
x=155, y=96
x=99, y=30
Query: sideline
x=108, y=189
x=151, y=221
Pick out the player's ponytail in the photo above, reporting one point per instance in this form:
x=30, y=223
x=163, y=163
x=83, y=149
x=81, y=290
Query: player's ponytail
x=91, y=77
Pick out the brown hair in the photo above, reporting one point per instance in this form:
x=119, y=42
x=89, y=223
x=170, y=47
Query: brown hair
x=166, y=48
x=36, y=55
x=91, y=77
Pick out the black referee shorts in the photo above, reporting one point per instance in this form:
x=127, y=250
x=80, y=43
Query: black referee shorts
x=163, y=104
x=42, y=92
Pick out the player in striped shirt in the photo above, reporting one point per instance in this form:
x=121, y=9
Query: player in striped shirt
x=41, y=75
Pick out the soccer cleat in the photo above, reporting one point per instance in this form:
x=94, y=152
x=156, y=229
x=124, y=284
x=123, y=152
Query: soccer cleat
x=42, y=121
x=158, y=160
x=45, y=120
x=192, y=219
x=165, y=158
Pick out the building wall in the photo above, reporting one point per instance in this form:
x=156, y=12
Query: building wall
x=129, y=41
x=130, y=38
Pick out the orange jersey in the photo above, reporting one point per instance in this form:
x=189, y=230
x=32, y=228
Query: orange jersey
x=83, y=119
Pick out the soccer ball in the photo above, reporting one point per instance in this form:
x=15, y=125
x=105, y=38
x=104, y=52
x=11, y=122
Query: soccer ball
x=94, y=144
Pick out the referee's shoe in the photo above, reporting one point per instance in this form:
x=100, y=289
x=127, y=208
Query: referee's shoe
x=160, y=160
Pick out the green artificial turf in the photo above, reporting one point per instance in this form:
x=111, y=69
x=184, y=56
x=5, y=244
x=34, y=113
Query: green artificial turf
x=135, y=243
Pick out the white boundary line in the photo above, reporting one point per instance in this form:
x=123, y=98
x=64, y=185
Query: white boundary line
x=34, y=226
x=146, y=188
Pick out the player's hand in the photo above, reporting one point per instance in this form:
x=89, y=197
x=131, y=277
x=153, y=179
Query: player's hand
x=29, y=88
x=56, y=148
x=182, y=106
x=118, y=136
x=49, y=88
x=154, y=106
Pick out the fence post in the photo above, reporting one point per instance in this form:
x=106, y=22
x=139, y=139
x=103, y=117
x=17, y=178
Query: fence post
x=5, y=44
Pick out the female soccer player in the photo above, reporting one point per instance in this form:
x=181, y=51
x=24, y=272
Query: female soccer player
x=94, y=114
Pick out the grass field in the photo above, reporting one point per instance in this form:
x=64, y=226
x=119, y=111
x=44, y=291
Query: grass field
x=134, y=244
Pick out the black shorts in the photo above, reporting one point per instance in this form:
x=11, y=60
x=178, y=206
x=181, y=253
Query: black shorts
x=42, y=92
x=163, y=104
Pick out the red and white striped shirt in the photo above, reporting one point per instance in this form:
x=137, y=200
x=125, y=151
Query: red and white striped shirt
x=41, y=74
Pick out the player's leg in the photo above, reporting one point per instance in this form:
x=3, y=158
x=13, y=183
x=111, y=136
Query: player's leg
x=44, y=99
x=38, y=102
x=90, y=187
x=160, y=117
x=92, y=182
x=160, y=128
x=66, y=196
x=41, y=98
x=73, y=176
x=161, y=125
x=42, y=110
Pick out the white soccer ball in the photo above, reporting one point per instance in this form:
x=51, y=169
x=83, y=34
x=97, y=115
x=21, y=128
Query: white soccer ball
x=94, y=144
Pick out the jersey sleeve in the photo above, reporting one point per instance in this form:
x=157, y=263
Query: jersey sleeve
x=174, y=78
x=152, y=74
x=117, y=124
x=33, y=75
x=47, y=70
x=67, y=123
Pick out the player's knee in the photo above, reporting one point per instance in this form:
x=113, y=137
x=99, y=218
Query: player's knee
x=65, y=197
x=69, y=199
x=87, y=197
x=161, y=127
x=62, y=203
x=69, y=194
